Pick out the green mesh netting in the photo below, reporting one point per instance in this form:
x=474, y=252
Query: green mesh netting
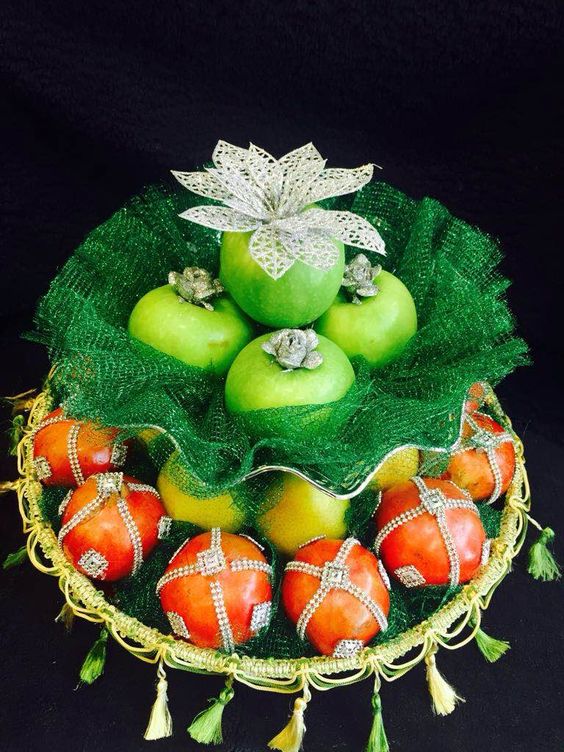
x=465, y=335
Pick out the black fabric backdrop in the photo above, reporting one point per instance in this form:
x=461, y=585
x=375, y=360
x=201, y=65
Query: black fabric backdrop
x=457, y=100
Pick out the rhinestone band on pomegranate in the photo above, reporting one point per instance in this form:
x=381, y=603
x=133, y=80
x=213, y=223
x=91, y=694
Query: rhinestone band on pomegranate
x=334, y=575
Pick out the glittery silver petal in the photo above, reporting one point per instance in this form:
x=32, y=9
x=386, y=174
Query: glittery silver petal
x=260, y=616
x=347, y=648
x=203, y=184
x=338, y=181
x=410, y=576
x=94, y=564
x=220, y=218
x=268, y=251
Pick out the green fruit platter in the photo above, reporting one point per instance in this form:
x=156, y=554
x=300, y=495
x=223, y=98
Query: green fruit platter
x=269, y=445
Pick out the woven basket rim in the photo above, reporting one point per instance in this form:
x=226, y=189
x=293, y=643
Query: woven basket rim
x=451, y=626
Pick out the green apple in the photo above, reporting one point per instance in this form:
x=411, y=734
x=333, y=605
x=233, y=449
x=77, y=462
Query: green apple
x=297, y=511
x=377, y=326
x=217, y=511
x=194, y=332
x=259, y=380
x=299, y=297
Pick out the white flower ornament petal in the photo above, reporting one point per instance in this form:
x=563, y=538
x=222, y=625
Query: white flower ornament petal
x=339, y=181
x=220, y=218
x=269, y=196
x=268, y=251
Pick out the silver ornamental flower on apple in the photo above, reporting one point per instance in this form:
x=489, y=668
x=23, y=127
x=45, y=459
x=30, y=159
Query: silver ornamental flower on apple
x=267, y=212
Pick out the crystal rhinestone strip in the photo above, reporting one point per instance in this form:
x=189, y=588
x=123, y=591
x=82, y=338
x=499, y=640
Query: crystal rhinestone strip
x=215, y=537
x=410, y=576
x=452, y=553
x=94, y=563
x=144, y=488
x=178, y=625
x=368, y=602
x=401, y=519
x=347, y=648
x=175, y=574
x=243, y=565
x=250, y=538
x=133, y=532
x=42, y=468
x=344, y=551
x=81, y=515
x=164, y=527
x=72, y=451
x=486, y=550
x=384, y=575
x=118, y=455
x=48, y=422
x=260, y=616
x=225, y=630
x=64, y=503
x=310, y=608
x=305, y=567
x=311, y=540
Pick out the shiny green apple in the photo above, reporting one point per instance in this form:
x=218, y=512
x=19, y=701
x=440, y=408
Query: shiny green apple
x=256, y=382
x=378, y=328
x=208, y=339
x=300, y=296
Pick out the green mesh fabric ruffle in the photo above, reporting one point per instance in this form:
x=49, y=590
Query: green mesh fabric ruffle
x=465, y=335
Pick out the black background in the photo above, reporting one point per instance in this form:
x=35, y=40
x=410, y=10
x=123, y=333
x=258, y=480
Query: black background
x=457, y=100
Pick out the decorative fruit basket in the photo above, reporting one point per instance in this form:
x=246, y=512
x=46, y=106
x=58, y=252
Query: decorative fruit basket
x=283, y=464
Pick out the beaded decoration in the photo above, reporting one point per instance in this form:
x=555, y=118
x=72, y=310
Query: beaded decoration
x=434, y=502
x=209, y=563
x=107, y=484
x=486, y=441
x=334, y=575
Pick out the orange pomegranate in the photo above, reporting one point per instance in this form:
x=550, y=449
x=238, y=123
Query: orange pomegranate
x=216, y=590
x=429, y=533
x=336, y=593
x=110, y=524
x=67, y=451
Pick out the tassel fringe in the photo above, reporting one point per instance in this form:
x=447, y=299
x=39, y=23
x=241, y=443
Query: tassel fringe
x=491, y=648
x=160, y=720
x=291, y=737
x=15, y=559
x=93, y=666
x=206, y=726
x=377, y=741
x=444, y=696
x=542, y=564
x=66, y=617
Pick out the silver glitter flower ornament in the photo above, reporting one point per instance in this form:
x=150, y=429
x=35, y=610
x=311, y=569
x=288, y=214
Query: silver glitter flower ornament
x=358, y=279
x=195, y=286
x=294, y=348
x=272, y=198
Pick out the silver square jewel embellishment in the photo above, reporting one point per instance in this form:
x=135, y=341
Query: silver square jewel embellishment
x=164, y=526
x=433, y=500
x=211, y=561
x=42, y=468
x=109, y=483
x=346, y=648
x=409, y=576
x=119, y=455
x=333, y=575
x=93, y=563
x=178, y=625
x=260, y=616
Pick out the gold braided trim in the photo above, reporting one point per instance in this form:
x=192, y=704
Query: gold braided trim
x=451, y=627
